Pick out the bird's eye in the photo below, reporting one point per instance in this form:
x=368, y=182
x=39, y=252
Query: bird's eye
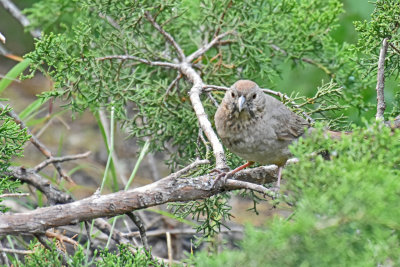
x=254, y=96
x=233, y=94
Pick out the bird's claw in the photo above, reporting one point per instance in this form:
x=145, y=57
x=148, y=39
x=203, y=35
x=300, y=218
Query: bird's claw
x=224, y=175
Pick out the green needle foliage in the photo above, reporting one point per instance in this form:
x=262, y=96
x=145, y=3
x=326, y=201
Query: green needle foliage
x=12, y=139
x=346, y=208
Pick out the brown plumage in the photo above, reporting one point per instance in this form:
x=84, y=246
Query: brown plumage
x=256, y=126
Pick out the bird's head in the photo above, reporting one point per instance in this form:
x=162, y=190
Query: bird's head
x=244, y=98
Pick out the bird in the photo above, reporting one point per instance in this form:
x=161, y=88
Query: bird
x=257, y=127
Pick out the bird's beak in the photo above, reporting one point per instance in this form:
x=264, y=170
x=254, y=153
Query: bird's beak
x=241, y=102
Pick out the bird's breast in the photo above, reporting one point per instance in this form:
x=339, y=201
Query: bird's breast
x=252, y=140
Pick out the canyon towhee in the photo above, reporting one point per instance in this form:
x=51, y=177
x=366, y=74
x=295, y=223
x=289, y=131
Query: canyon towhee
x=256, y=126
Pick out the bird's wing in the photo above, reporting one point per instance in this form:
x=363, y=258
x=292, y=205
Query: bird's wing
x=288, y=125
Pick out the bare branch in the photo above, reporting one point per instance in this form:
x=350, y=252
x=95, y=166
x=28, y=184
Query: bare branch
x=139, y=224
x=172, y=84
x=234, y=184
x=35, y=141
x=167, y=36
x=209, y=88
x=116, y=235
x=213, y=100
x=17, y=251
x=185, y=231
x=202, y=117
x=380, y=85
x=221, y=18
x=51, y=160
x=207, y=47
x=29, y=176
x=16, y=13
x=394, y=48
x=142, y=60
x=165, y=190
x=189, y=167
x=14, y=195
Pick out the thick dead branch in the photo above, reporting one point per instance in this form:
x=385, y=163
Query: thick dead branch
x=380, y=84
x=165, y=190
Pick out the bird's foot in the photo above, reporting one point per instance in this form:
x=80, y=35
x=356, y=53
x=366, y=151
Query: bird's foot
x=222, y=176
x=225, y=174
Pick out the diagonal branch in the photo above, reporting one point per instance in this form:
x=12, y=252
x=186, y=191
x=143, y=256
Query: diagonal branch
x=205, y=124
x=207, y=47
x=167, y=36
x=380, y=84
